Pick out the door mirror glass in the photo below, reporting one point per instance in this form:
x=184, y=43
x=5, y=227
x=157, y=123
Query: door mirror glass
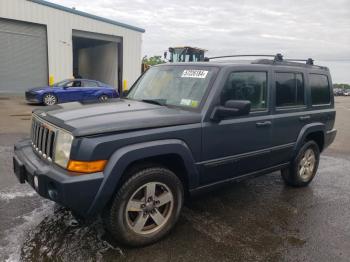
x=232, y=108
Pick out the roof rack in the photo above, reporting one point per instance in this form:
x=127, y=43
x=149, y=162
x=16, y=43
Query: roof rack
x=308, y=61
x=276, y=58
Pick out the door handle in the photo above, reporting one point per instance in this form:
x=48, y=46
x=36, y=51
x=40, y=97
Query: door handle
x=262, y=124
x=304, y=118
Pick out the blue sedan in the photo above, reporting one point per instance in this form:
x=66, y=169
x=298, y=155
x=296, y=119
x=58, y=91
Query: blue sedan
x=71, y=90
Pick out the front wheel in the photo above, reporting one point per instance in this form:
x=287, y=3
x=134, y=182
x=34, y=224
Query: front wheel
x=49, y=99
x=304, y=167
x=146, y=207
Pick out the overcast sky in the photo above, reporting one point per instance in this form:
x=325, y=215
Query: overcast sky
x=298, y=29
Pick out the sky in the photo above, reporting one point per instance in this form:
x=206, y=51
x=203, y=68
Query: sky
x=298, y=29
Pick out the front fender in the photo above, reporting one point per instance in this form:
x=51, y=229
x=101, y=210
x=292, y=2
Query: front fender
x=123, y=157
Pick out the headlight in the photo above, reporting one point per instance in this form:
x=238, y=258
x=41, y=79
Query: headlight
x=62, y=148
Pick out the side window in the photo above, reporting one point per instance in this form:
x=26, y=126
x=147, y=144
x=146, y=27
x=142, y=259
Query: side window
x=320, y=90
x=69, y=84
x=76, y=84
x=250, y=86
x=289, y=89
x=90, y=84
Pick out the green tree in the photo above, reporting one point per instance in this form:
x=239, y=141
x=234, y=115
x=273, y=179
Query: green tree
x=153, y=60
x=341, y=86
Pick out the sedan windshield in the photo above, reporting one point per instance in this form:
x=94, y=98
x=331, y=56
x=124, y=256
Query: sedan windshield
x=173, y=85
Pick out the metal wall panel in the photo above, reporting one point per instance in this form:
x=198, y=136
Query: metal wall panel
x=60, y=25
x=23, y=56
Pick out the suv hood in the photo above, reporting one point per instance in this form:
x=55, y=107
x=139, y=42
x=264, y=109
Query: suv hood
x=83, y=119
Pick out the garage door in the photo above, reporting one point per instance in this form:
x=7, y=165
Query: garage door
x=23, y=56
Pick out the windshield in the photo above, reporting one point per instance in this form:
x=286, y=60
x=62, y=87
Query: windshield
x=183, y=55
x=173, y=85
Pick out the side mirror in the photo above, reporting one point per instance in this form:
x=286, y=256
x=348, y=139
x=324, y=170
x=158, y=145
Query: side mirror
x=232, y=108
x=65, y=87
x=165, y=54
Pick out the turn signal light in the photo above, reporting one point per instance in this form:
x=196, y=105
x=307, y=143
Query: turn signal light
x=86, y=166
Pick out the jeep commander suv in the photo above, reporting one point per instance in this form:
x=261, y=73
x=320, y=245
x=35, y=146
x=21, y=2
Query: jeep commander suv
x=183, y=128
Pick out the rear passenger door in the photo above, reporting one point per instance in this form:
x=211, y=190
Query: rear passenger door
x=238, y=145
x=90, y=89
x=290, y=113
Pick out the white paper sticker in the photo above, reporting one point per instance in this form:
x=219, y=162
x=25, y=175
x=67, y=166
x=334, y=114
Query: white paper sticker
x=195, y=73
x=186, y=102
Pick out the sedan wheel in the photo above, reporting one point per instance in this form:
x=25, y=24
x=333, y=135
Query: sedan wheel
x=50, y=99
x=103, y=98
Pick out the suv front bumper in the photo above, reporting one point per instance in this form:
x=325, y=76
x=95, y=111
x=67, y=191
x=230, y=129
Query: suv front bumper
x=74, y=191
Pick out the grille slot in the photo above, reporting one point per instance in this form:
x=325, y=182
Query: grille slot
x=43, y=138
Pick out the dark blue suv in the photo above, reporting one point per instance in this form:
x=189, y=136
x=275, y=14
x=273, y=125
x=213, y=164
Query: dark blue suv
x=183, y=129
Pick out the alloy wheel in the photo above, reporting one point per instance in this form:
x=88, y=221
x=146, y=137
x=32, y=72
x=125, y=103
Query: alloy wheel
x=50, y=100
x=149, y=208
x=103, y=98
x=307, y=164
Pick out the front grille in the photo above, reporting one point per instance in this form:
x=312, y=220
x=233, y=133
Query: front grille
x=43, y=138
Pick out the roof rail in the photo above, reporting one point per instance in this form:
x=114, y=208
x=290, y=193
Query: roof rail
x=308, y=61
x=277, y=58
x=226, y=56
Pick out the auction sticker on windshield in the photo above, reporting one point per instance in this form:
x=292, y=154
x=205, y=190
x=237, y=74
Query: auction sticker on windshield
x=195, y=73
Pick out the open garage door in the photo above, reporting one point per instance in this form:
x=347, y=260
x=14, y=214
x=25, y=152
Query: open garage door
x=98, y=57
x=23, y=56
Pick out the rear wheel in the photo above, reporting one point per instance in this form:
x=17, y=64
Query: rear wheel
x=103, y=98
x=146, y=207
x=49, y=99
x=304, y=167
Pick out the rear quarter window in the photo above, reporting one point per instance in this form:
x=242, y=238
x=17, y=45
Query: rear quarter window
x=320, y=89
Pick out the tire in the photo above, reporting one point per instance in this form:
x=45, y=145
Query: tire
x=103, y=98
x=131, y=220
x=304, y=166
x=50, y=99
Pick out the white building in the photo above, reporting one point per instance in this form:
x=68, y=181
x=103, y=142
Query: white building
x=42, y=42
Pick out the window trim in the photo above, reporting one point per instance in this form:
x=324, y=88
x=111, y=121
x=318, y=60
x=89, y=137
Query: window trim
x=285, y=108
x=329, y=89
x=258, y=110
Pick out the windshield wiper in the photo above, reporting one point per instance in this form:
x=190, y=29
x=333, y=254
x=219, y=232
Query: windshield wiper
x=161, y=102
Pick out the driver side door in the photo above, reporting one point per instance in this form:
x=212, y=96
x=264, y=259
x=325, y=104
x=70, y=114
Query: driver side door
x=239, y=145
x=72, y=91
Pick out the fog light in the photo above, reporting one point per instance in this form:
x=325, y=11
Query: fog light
x=36, y=182
x=52, y=194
